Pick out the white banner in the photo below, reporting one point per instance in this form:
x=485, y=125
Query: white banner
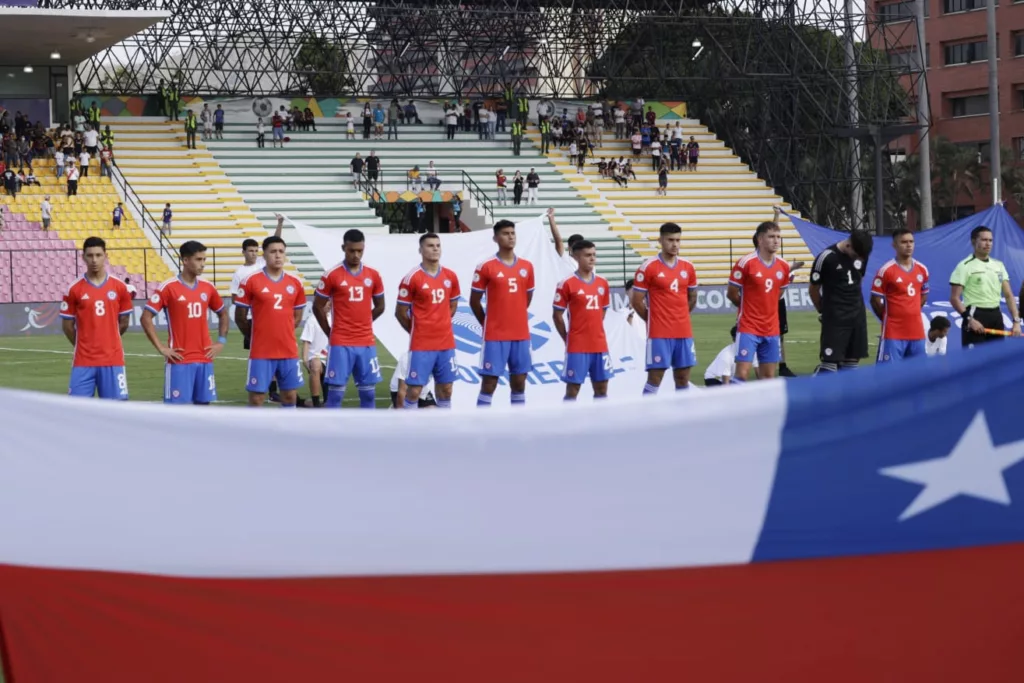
x=395, y=255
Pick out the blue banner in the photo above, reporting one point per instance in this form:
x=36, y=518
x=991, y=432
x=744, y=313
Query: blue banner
x=939, y=249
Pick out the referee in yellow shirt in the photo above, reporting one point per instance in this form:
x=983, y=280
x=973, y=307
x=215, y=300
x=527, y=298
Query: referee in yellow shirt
x=982, y=282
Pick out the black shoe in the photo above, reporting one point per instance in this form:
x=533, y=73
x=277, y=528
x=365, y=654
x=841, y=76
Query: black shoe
x=784, y=371
x=275, y=397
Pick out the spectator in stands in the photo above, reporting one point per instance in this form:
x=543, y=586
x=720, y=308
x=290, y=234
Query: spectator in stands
x=517, y=137
x=517, y=185
x=501, y=180
x=46, y=212
x=356, y=166
x=130, y=287
x=67, y=141
x=379, y=115
x=421, y=216
x=350, y=126
x=10, y=182
x=627, y=170
x=106, y=162
x=218, y=122
x=27, y=179
x=84, y=159
x=165, y=228
x=532, y=185
x=261, y=134
x=456, y=213
x=277, y=124
x=72, y=174
x=432, y=180
x=10, y=151
x=24, y=153
x=309, y=120
x=91, y=140
x=411, y=115
x=206, y=117
x=79, y=122
x=655, y=154
x=415, y=181
x=191, y=124
x=372, y=166
x=117, y=215
x=663, y=179
x=394, y=113
x=367, y=120
x=636, y=109
x=451, y=122
x=692, y=154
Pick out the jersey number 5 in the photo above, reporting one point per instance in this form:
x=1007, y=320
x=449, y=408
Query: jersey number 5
x=513, y=286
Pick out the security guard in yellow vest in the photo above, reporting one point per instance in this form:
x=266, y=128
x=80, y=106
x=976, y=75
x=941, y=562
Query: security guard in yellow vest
x=173, y=102
x=517, y=137
x=190, y=129
x=523, y=110
x=545, y=137
x=93, y=116
x=107, y=138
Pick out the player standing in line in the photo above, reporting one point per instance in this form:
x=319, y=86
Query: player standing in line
x=427, y=299
x=839, y=270
x=187, y=300
x=587, y=297
x=277, y=300
x=356, y=293
x=508, y=283
x=94, y=314
x=898, y=292
x=664, y=294
x=757, y=283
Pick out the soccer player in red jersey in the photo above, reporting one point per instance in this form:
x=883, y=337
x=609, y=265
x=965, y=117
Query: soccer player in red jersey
x=94, y=314
x=356, y=293
x=427, y=299
x=664, y=294
x=586, y=295
x=277, y=300
x=755, y=286
x=186, y=301
x=898, y=292
x=508, y=283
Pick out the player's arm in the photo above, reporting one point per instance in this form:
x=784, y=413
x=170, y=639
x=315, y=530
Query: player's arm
x=124, y=315
x=476, y=304
x=638, y=300
x=1011, y=303
x=558, y=317
x=403, y=312
x=280, y=225
x=149, y=329
x=878, y=296
x=734, y=291
x=320, y=312
x=559, y=245
x=816, y=275
x=241, y=322
x=68, y=327
x=378, y=305
x=299, y=310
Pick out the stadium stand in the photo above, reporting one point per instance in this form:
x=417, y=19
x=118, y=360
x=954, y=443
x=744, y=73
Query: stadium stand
x=150, y=152
x=717, y=206
x=315, y=186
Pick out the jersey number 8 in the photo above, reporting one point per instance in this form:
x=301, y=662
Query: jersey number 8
x=100, y=307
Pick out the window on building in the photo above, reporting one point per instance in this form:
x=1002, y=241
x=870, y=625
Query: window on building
x=906, y=59
x=983, y=149
x=950, y=6
x=969, y=106
x=1018, y=43
x=1018, y=148
x=965, y=53
x=898, y=11
x=962, y=211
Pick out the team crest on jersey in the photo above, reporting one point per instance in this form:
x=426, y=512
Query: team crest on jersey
x=639, y=277
x=447, y=283
x=778, y=274
x=600, y=290
x=240, y=292
x=857, y=264
x=522, y=272
x=368, y=282
x=203, y=296
x=476, y=277
x=403, y=292
x=684, y=275
x=737, y=275
x=111, y=295
x=176, y=393
x=289, y=289
x=323, y=284
x=920, y=278
x=64, y=305
x=815, y=276
x=878, y=282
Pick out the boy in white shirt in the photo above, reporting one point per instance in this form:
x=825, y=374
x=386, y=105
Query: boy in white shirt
x=722, y=369
x=935, y=342
x=83, y=160
x=314, y=354
x=58, y=160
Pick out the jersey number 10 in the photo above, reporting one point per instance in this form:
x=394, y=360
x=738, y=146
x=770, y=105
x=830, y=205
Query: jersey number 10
x=195, y=309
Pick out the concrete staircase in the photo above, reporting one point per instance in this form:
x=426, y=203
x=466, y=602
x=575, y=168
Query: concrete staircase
x=151, y=154
x=718, y=206
x=309, y=180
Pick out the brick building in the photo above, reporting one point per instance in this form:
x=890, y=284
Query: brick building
x=957, y=53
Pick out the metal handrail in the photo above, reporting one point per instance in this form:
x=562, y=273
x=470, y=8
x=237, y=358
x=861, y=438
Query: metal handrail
x=148, y=222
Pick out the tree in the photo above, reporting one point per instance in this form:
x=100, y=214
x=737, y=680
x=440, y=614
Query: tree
x=955, y=175
x=1012, y=181
x=323, y=65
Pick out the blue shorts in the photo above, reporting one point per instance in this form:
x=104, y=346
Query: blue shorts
x=497, y=355
x=670, y=353
x=106, y=382
x=579, y=365
x=263, y=370
x=358, y=361
x=893, y=350
x=767, y=349
x=439, y=364
x=189, y=383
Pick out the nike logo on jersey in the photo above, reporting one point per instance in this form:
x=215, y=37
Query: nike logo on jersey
x=181, y=298
x=265, y=291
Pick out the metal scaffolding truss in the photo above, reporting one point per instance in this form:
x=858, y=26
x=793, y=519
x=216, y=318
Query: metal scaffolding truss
x=775, y=80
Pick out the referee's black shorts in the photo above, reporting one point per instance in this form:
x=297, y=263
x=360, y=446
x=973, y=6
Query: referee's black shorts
x=783, y=320
x=990, y=319
x=843, y=341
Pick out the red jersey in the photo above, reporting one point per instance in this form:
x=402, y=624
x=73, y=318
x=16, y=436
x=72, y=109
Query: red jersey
x=188, y=326
x=586, y=302
x=273, y=304
x=507, y=288
x=667, y=289
x=901, y=290
x=430, y=297
x=96, y=310
x=351, y=296
x=761, y=285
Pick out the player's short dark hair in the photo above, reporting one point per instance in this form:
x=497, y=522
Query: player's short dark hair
x=900, y=232
x=669, y=229
x=629, y=284
x=91, y=242
x=977, y=231
x=249, y=243
x=427, y=236
x=191, y=248
x=581, y=244
x=273, y=239
x=763, y=228
x=353, y=236
x=862, y=243
x=940, y=322
x=732, y=332
x=502, y=224
x=573, y=239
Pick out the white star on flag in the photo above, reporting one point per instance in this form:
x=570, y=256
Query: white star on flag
x=974, y=468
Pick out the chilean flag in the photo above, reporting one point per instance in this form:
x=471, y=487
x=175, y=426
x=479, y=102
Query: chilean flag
x=865, y=527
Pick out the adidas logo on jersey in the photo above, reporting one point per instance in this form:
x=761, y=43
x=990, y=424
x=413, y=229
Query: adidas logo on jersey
x=85, y=297
x=181, y=298
x=501, y=274
x=344, y=283
x=899, y=279
x=759, y=275
x=425, y=286
x=839, y=267
x=580, y=292
x=661, y=274
x=265, y=291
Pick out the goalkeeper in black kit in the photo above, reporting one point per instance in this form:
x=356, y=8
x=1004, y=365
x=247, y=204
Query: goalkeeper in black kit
x=836, y=292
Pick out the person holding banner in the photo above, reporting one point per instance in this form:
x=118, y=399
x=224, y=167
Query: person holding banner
x=899, y=291
x=587, y=297
x=976, y=286
x=508, y=282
